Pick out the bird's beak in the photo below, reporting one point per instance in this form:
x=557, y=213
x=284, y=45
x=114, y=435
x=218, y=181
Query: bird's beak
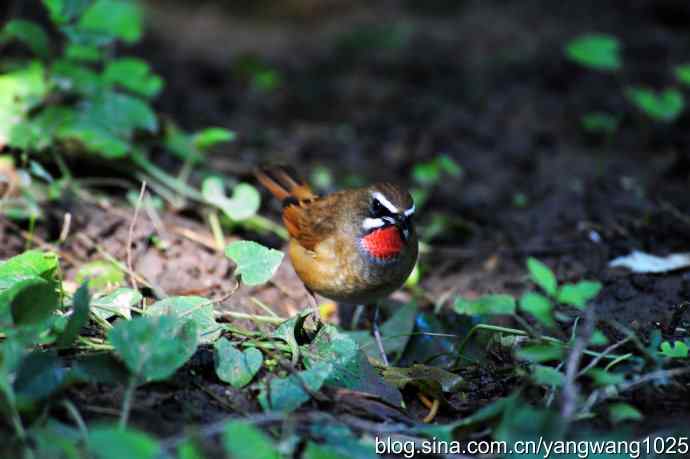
x=403, y=223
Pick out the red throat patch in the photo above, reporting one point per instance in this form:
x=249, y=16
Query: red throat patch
x=383, y=243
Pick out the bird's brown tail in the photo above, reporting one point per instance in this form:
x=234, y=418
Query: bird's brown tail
x=283, y=183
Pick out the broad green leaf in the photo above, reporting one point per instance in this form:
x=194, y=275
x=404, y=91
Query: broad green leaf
x=118, y=302
x=20, y=91
x=350, y=366
x=620, y=412
x=189, y=450
x=30, y=33
x=119, y=18
x=99, y=368
x=255, y=263
x=547, y=376
x=539, y=307
x=62, y=11
x=114, y=443
x=397, y=330
x=288, y=394
x=683, y=73
x=101, y=274
x=679, y=350
x=485, y=305
x=209, y=137
x=243, y=203
x=31, y=300
x=70, y=76
x=79, y=317
x=430, y=380
x=105, y=123
x=40, y=374
x=579, y=294
x=29, y=264
x=542, y=276
x=596, y=51
x=598, y=338
x=133, y=74
x=664, y=106
x=602, y=377
x=541, y=352
x=38, y=132
x=195, y=308
x=153, y=348
x=244, y=441
x=236, y=367
x=86, y=53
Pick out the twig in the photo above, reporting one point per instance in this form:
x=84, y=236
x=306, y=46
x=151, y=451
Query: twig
x=570, y=389
x=606, y=352
x=130, y=235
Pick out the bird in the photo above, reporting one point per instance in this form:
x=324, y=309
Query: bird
x=355, y=246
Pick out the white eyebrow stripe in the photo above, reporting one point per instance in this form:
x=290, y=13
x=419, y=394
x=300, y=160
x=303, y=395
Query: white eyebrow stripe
x=409, y=211
x=371, y=223
x=386, y=203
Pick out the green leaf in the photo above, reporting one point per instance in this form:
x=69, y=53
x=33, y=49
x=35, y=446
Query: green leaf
x=679, y=350
x=255, y=263
x=485, y=305
x=32, y=263
x=683, y=73
x=542, y=276
x=397, y=330
x=579, y=294
x=106, y=122
x=350, y=366
x=595, y=51
x=195, y=308
x=20, y=91
x=547, y=376
x=133, y=74
x=189, y=450
x=86, y=53
x=243, y=204
x=114, y=443
x=620, y=412
x=101, y=274
x=602, y=377
x=599, y=123
x=79, y=317
x=118, y=302
x=235, y=367
x=209, y=137
x=288, y=394
x=153, y=348
x=539, y=307
x=118, y=18
x=430, y=380
x=664, y=106
x=30, y=33
x=70, y=76
x=244, y=441
x=62, y=11
x=40, y=375
x=541, y=352
x=31, y=300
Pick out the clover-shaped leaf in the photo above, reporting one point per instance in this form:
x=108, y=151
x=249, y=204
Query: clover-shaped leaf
x=255, y=263
x=236, y=367
x=665, y=106
x=243, y=203
x=679, y=350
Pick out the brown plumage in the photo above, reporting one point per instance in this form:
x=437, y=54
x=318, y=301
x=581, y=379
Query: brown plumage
x=355, y=246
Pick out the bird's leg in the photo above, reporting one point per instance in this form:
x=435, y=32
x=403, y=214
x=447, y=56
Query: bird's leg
x=377, y=336
x=315, y=305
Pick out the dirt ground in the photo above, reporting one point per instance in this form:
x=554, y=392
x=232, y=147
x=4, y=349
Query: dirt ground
x=483, y=82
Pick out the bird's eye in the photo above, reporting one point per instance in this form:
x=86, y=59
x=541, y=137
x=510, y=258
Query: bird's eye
x=377, y=208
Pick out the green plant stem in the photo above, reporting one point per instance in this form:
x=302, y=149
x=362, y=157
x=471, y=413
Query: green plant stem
x=216, y=230
x=74, y=412
x=127, y=402
x=90, y=343
x=17, y=422
x=253, y=317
